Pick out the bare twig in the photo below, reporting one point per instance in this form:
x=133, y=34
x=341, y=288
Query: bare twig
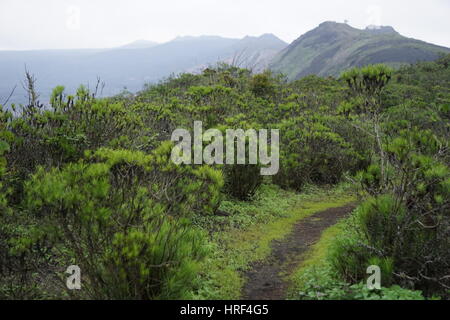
x=30, y=87
x=10, y=95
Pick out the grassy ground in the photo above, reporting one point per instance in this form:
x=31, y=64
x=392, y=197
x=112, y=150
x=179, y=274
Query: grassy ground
x=244, y=235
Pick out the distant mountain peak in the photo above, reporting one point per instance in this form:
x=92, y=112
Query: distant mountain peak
x=139, y=44
x=334, y=25
x=333, y=47
x=338, y=26
x=266, y=39
x=329, y=23
x=269, y=36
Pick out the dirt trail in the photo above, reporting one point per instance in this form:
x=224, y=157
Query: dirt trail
x=266, y=279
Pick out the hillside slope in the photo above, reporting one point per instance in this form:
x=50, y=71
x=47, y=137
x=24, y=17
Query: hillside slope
x=333, y=47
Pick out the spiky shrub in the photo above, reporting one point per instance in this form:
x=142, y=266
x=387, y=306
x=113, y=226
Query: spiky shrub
x=122, y=216
x=10, y=285
x=408, y=226
x=242, y=180
x=5, y=136
x=376, y=221
x=312, y=152
x=5, y=264
x=262, y=85
x=59, y=134
x=368, y=84
x=369, y=81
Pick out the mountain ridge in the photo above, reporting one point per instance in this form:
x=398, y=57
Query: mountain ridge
x=332, y=47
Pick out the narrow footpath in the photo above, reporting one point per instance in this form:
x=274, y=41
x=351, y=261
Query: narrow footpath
x=267, y=279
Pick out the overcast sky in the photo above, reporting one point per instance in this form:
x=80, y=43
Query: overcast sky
x=45, y=24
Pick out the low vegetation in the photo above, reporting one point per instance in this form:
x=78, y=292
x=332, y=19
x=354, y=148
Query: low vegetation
x=88, y=181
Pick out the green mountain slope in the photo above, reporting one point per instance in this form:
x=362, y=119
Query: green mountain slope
x=333, y=47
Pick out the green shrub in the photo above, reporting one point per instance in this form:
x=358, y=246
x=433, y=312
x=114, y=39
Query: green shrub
x=262, y=85
x=54, y=136
x=312, y=153
x=380, y=219
x=372, y=241
x=122, y=217
x=405, y=232
x=349, y=257
x=242, y=181
x=370, y=179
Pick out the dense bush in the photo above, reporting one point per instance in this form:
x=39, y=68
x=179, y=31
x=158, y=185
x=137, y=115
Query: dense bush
x=312, y=152
x=122, y=217
x=406, y=223
x=262, y=86
x=242, y=181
